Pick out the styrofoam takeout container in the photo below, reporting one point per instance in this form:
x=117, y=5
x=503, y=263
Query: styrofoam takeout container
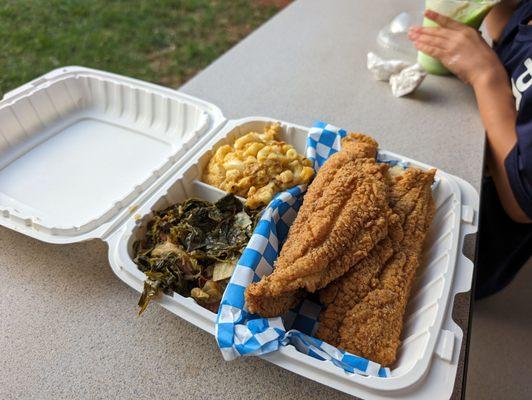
x=87, y=154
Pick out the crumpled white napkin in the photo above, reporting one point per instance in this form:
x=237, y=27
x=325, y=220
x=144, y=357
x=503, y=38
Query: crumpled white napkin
x=381, y=69
x=404, y=77
x=407, y=80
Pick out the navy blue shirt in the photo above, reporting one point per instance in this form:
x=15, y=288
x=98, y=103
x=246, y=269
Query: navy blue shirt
x=515, y=51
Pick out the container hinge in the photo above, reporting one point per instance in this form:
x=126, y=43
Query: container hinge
x=445, y=346
x=468, y=214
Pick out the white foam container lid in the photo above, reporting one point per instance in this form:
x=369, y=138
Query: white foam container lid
x=88, y=154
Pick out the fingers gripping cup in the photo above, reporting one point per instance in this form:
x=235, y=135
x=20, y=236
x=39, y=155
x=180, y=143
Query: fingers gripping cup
x=469, y=12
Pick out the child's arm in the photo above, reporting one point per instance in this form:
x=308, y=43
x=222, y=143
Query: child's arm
x=497, y=19
x=463, y=51
x=497, y=110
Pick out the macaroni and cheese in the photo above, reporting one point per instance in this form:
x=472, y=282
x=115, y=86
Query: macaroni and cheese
x=257, y=166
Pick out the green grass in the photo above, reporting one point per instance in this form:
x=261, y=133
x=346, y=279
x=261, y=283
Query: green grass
x=162, y=41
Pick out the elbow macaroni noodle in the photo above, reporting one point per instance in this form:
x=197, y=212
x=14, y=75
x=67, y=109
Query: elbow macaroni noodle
x=257, y=166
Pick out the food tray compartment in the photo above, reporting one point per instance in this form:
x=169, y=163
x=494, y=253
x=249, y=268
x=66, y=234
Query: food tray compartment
x=430, y=298
x=434, y=374
x=126, y=269
x=185, y=184
x=78, y=145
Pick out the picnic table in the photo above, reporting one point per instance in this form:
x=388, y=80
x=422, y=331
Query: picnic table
x=68, y=324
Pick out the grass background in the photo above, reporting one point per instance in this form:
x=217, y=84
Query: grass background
x=162, y=41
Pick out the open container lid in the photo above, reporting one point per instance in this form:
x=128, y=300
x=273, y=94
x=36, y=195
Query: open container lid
x=81, y=148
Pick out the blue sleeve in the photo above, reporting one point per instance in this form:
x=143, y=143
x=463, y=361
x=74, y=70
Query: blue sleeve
x=518, y=163
x=510, y=29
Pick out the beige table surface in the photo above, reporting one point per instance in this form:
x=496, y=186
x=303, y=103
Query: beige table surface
x=68, y=327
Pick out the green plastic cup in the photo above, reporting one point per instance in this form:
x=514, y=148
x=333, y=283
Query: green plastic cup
x=469, y=12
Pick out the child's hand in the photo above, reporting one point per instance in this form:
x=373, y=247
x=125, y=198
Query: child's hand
x=459, y=47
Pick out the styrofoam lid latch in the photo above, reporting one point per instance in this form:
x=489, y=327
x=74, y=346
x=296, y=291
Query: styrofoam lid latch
x=444, y=348
x=468, y=214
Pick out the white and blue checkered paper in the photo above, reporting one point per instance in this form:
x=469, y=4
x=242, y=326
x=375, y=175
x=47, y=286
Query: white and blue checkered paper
x=240, y=333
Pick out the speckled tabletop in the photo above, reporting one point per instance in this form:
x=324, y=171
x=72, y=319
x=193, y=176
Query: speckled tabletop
x=68, y=327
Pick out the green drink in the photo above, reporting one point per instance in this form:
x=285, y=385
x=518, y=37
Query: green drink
x=469, y=12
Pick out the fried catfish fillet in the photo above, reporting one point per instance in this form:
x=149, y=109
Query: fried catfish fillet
x=341, y=295
x=372, y=328
x=343, y=216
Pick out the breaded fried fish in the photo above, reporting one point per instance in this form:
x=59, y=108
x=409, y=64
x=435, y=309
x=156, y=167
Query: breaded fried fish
x=372, y=328
x=344, y=293
x=343, y=216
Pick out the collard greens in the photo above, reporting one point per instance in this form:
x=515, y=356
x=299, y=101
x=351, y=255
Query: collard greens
x=192, y=248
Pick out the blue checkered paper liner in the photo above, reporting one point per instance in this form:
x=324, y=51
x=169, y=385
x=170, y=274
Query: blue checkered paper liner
x=240, y=333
